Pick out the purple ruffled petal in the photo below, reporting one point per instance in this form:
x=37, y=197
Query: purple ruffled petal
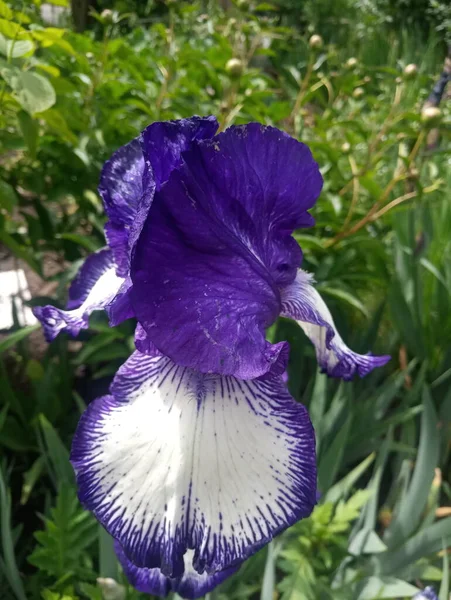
x=173, y=460
x=216, y=246
x=162, y=143
x=129, y=179
x=94, y=287
x=191, y=585
x=301, y=301
x=121, y=188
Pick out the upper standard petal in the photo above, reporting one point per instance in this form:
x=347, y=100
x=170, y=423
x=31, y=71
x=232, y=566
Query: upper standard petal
x=217, y=245
x=130, y=177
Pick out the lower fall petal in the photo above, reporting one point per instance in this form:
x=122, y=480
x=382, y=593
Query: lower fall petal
x=175, y=460
x=94, y=287
x=190, y=585
x=301, y=301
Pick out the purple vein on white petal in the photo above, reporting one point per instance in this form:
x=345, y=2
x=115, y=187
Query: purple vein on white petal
x=191, y=585
x=175, y=460
x=302, y=302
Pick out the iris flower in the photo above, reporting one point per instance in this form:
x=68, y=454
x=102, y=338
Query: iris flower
x=427, y=594
x=199, y=456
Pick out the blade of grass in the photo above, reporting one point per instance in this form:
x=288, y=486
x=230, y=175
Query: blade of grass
x=10, y=566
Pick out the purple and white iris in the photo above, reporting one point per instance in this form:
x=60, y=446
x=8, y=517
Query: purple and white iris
x=199, y=456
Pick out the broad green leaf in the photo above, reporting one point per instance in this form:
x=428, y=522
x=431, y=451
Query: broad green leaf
x=408, y=515
x=33, y=91
x=15, y=48
x=13, y=30
x=8, y=197
x=386, y=587
x=423, y=543
x=5, y=11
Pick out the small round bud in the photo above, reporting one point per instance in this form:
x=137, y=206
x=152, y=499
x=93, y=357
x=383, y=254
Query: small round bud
x=107, y=15
x=358, y=92
x=413, y=174
x=111, y=589
x=234, y=67
x=410, y=71
x=431, y=115
x=346, y=148
x=367, y=79
x=316, y=42
x=351, y=63
x=398, y=80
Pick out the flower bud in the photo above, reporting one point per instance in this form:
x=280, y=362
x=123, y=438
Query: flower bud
x=358, y=93
x=111, y=589
x=234, y=67
x=410, y=71
x=351, y=63
x=107, y=15
x=367, y=79
x=316, y=42
x=431, y=115
x=346, y=148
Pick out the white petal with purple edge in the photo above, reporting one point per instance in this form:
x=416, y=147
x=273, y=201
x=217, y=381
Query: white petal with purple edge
x=95, y=286
x=301, y=301
x=175, y=460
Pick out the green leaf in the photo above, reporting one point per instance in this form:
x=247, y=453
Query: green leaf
x=269, y=575
x=344, y=486
x=444, y=587
x=15, y=48
x=385, y=587
x=8, y=197
x=5, y=11
x=29, y=128
x=30, y=478
x=80, y=240
x=13, y=30
x=11, y=571
x=346, y=297
x=13, y=338
x=425, y=542
x=409, y=513
x=68, y=533
x=57, y=452
x=33, y=91
x=330, y=462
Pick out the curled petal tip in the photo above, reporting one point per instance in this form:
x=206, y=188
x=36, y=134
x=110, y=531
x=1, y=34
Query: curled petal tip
x=54, y=320
x=302, y=302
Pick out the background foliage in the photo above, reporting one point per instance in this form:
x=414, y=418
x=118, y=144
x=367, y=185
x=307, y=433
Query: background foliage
x=380, y=251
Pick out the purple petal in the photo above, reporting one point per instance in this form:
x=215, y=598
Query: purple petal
x=94, y=287
x=190, y=585
x=301, y=301
x=162, y=143
x=427, y=594
x=173, y=460
x=217, y=244
x=121, y=188
x=129, y=179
